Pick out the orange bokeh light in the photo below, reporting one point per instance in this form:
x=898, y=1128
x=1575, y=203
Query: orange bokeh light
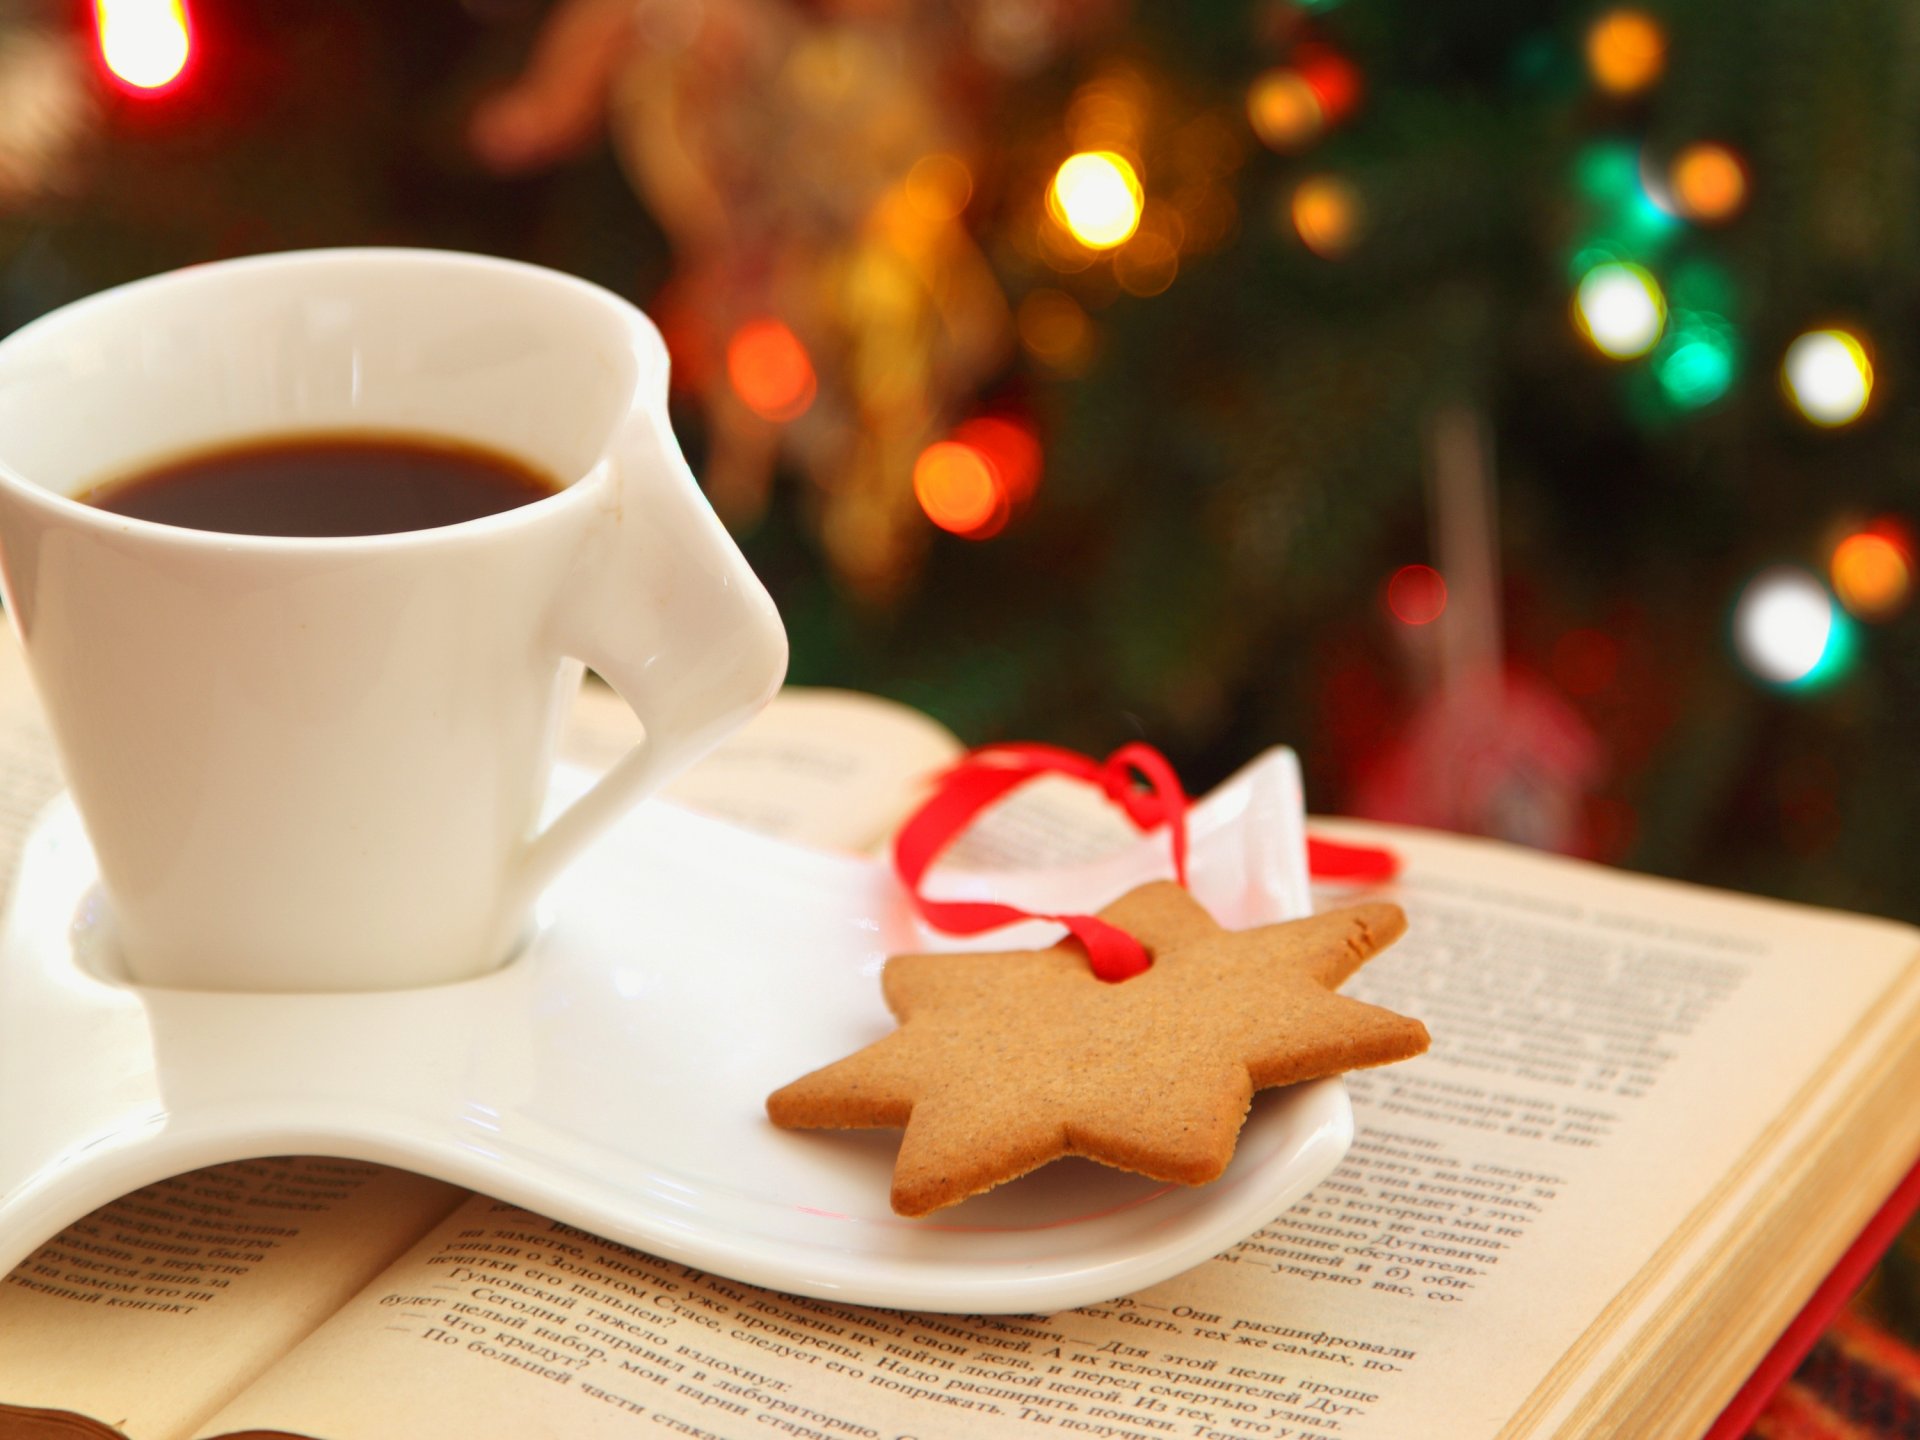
x=960, y=490
x=1326, y=214
x=1709, y=182
x=770, y=370
x=1284, y=110
x=1872, y=574
x=144, y=43
x=1417, y=594
x=1626, y=51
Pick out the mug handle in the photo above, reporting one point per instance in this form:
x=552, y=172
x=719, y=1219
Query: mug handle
x=663, y=605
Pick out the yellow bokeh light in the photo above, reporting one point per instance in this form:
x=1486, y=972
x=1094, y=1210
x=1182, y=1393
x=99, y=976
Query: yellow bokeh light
x=143, y=42
x=1326, y=214
x=1626, y=51
x=1828, y=376
x=1871, y=574
x=1621, y=310
x=1097, y=197
x=1709, y=182
x=1283, y=110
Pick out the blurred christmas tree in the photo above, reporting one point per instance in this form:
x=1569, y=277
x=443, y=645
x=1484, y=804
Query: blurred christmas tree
x=1502, y=403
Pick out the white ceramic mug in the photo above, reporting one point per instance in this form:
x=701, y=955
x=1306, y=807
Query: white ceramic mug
x=319, y=764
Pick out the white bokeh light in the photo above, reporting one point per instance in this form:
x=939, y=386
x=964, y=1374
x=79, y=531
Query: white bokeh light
x=1620, y=309
x=1783, y=624
x=144, y=42
x=1096, y=195
x=1828, y=376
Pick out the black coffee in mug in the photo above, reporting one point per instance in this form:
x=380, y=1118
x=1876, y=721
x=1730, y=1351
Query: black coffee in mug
x=326, y=485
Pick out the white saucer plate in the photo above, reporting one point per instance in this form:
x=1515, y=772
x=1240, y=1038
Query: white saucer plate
x=614, y=1075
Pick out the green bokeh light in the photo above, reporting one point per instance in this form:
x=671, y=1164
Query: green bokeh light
x=1699, y=363
x=1638, y=221
x=1608, y=172
x=1623, y=222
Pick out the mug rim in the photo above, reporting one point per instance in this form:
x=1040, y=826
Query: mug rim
x=638, y=325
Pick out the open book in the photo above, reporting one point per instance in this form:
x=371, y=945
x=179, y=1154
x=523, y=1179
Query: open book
x=1652, y=1118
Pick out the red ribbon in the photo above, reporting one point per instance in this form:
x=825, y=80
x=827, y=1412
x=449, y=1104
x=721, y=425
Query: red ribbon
x=1354, y=864
x=982, y=777
x=1137, y=778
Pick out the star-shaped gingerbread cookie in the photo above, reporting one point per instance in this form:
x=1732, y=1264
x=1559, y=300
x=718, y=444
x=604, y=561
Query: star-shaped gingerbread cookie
x=1005, y=1061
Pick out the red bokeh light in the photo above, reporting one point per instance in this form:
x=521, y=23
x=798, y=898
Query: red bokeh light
x=1893, y=528
x=1334, y=80
x=1011, y=448
x=1417, y=594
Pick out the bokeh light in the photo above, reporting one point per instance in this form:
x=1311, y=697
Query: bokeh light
x=1872, y=573
x=145, y=43
x=959, y=490
x=1334, y=80
x=1629, y=216
x=1096, y=196
x=1709, y=183
x=1626, y=51
x=1055, y=330
x=1786, y=629
x=1620, y=309
x=1284, y=111
x=1147, y=264
x=1607, y=172
x=1700, y=366
x=1109, y=111
x=1010, y=448
x=1326, y=214
x=1416, y=594
x=770, y=370
x=1828, y=376
x=939, y=186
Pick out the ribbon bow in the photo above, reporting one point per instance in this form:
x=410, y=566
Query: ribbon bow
x=982, y=777
x=1137, y=778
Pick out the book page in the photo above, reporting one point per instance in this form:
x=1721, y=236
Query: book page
x=155, y=1310
x=1612, y=1062
x=1609, y=1055
x=818, y=767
